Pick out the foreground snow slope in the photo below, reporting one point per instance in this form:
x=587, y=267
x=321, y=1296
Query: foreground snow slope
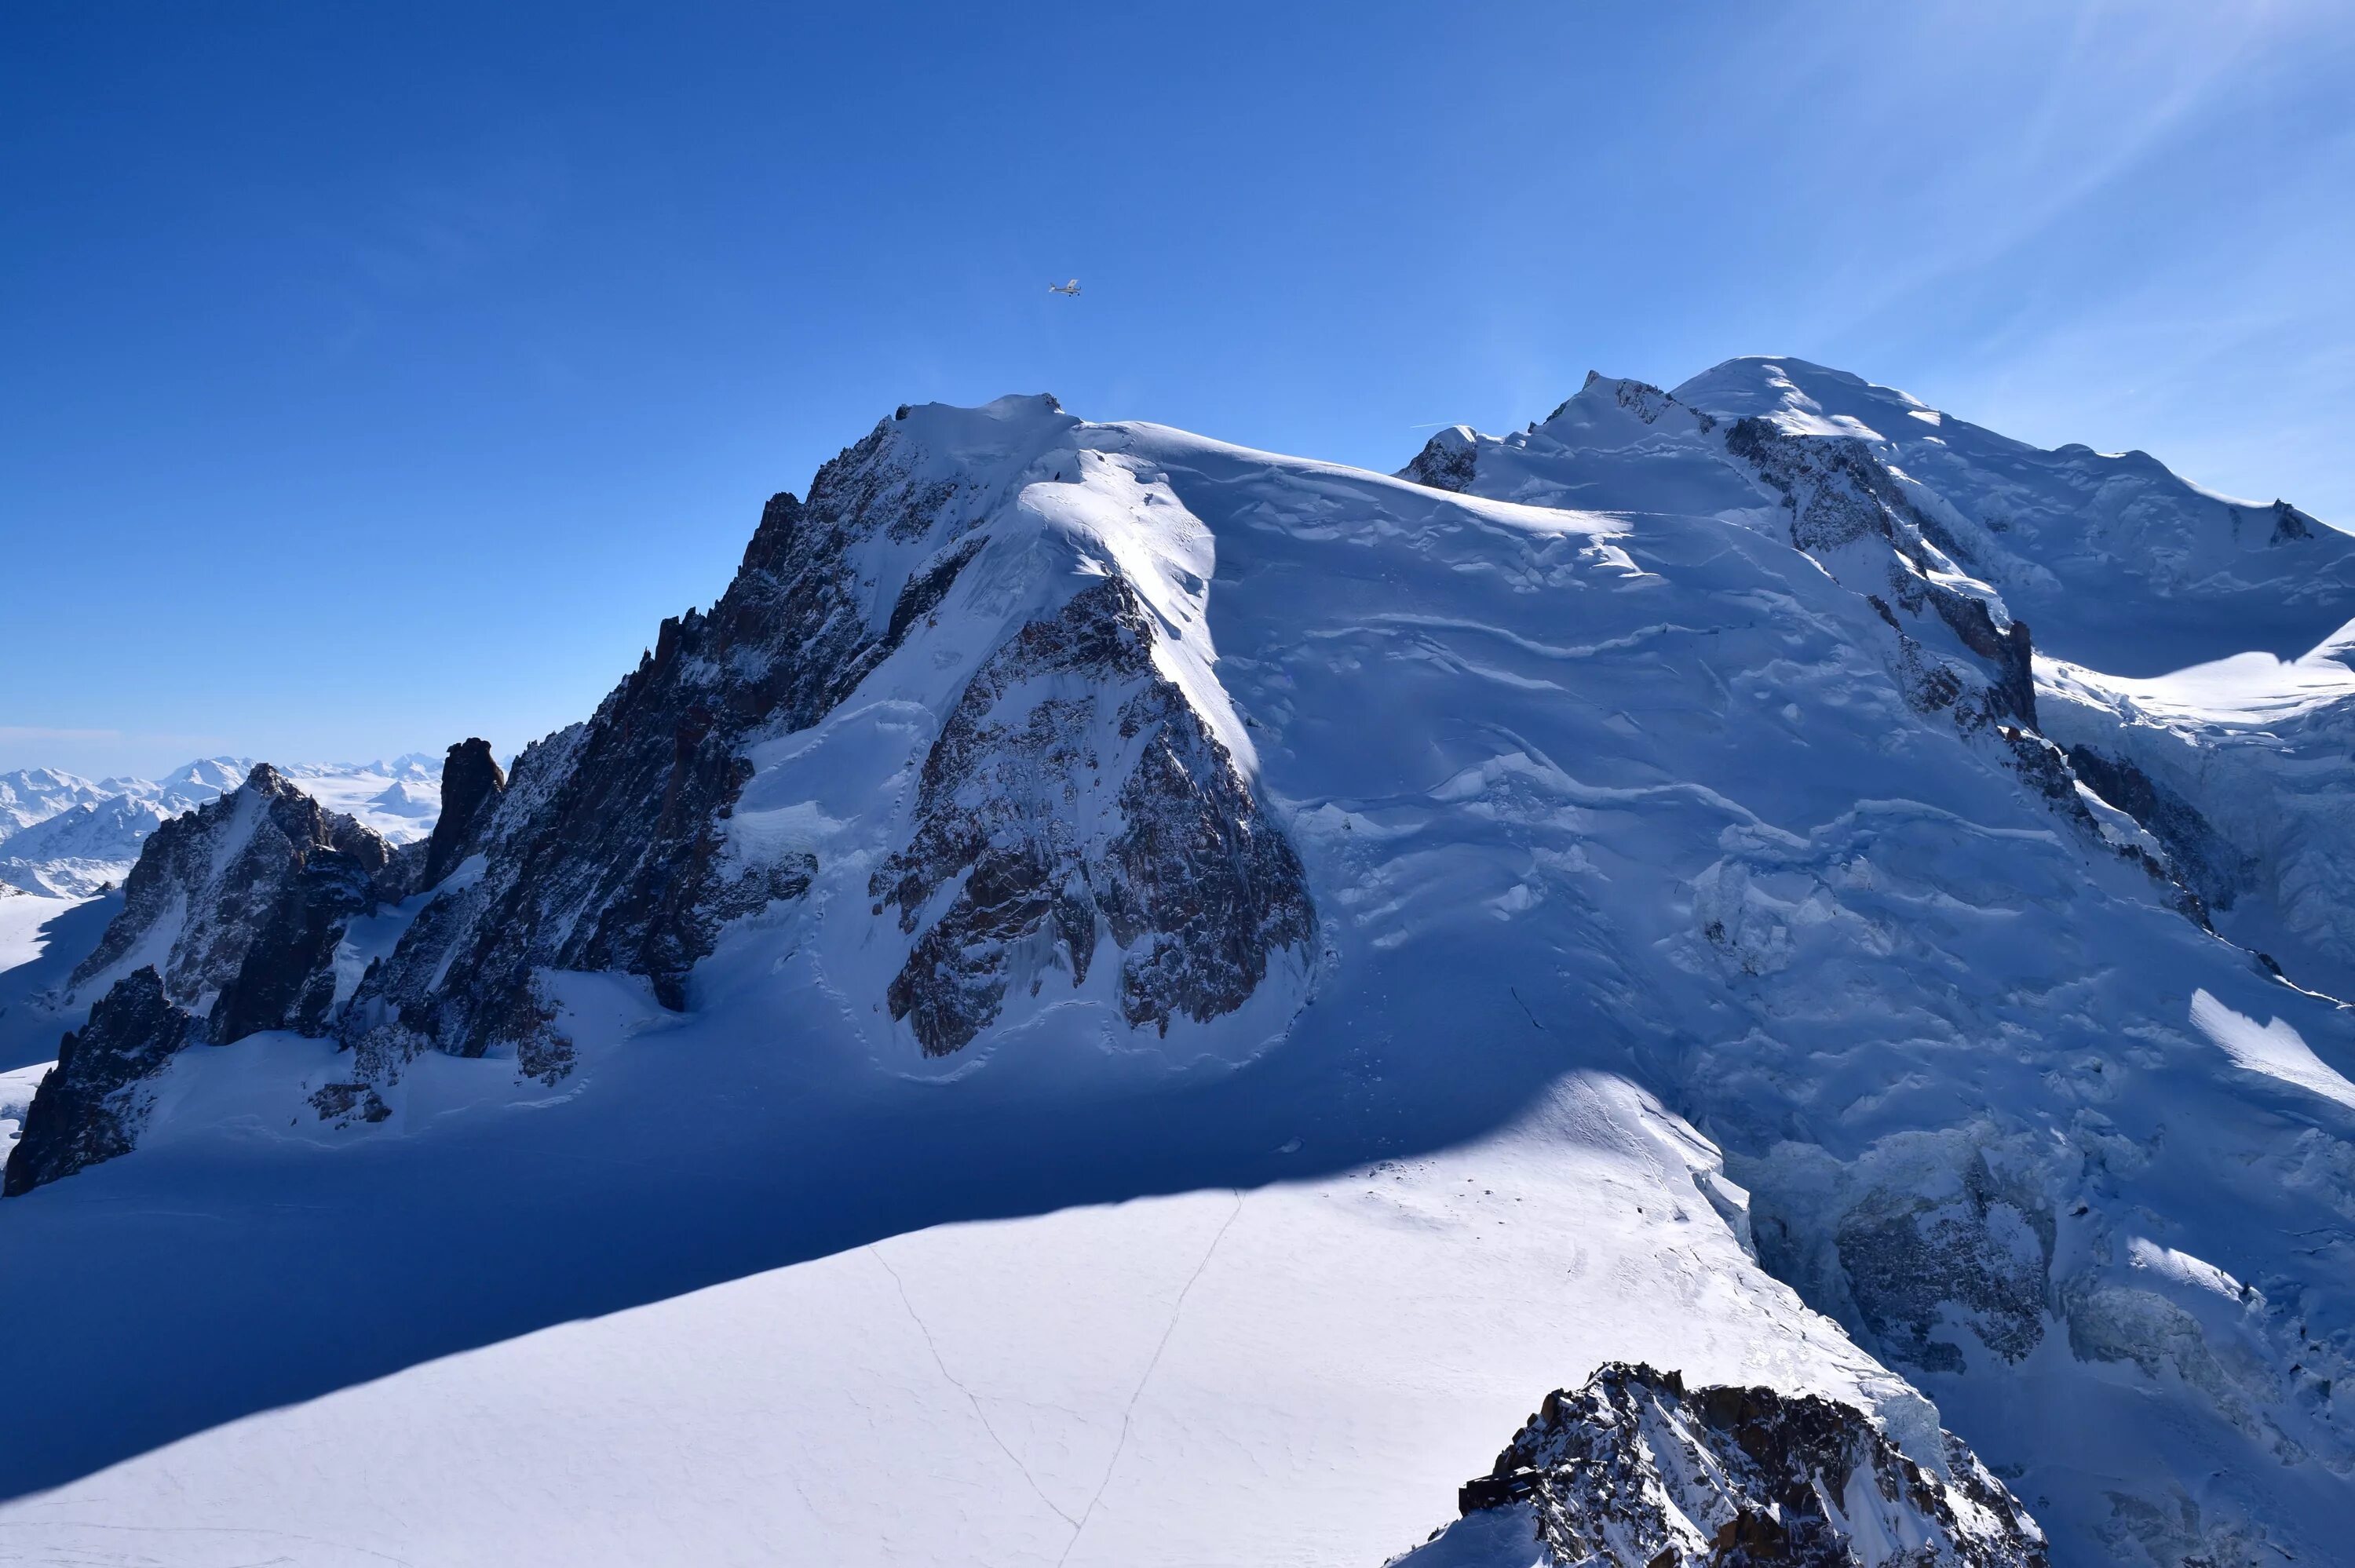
x=1206, y=1378
x=1590, y=804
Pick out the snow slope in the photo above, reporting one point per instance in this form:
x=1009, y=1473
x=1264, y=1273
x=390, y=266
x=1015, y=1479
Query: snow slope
x=1207, y=1377
x=42, y=940
x=1615, y=808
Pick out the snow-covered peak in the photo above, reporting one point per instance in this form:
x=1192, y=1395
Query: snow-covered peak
x=1804, y=398
x=30, y=795
x=82, y=848
x=933, y=440
x=210, y=775
x=2116, y=562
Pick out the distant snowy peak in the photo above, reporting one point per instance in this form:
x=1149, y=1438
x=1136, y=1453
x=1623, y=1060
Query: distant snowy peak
x=200, y=781
x=2118, y=562
x=31, y=795
x=82, y=848
x=1627, y=448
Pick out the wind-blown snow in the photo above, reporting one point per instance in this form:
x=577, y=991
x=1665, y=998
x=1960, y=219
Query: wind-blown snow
x=2274, y=1049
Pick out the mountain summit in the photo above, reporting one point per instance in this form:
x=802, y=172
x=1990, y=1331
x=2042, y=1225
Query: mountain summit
x=1174, y=991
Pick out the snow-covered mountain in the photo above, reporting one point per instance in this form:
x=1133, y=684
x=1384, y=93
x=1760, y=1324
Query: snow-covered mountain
x=1171, y=991
x=2117, y=563
x=36, y=794
x=68, y=837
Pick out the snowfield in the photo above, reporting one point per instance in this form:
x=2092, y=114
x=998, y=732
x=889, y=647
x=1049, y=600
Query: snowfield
x=1202, y=1378
x=1712, y=966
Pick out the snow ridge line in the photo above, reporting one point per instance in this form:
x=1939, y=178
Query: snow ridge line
x=1177, y=1308
x=979, y=1415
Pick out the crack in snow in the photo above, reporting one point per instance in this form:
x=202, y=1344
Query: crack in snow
x=1176, y=1307
x=979, y=1415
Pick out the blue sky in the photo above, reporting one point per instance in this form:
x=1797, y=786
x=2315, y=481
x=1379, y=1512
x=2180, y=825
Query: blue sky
x=375, y=375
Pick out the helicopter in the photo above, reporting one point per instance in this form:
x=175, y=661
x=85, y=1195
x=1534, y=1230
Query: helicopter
x=1072, y=287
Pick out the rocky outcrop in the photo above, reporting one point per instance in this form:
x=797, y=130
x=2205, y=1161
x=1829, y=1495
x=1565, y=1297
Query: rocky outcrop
x=2202, y=858
x=233, y=916
x=1076, y=792
x=238, y=905
x=1636, y=1470
x=471, y=785
x=1449, y=461
x=2290, y=525
x=91, y=1105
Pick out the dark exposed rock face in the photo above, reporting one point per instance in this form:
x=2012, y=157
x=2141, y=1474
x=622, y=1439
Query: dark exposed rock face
x=90, y=1107
x=2290, y=524
x=2203, y=859
x=608, y=850
x=288, y=978
x=1636, y=1469
x=1982, y=1257
x=1058, y=824
x=1448, y=461
x=471, y=787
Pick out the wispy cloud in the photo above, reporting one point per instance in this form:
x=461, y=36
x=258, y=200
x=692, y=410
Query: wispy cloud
x=48, y=732
x=42, y=732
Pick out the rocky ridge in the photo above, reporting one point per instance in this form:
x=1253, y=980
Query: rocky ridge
x=1637, y=1471
x=1073, y=791
x=230, y=925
